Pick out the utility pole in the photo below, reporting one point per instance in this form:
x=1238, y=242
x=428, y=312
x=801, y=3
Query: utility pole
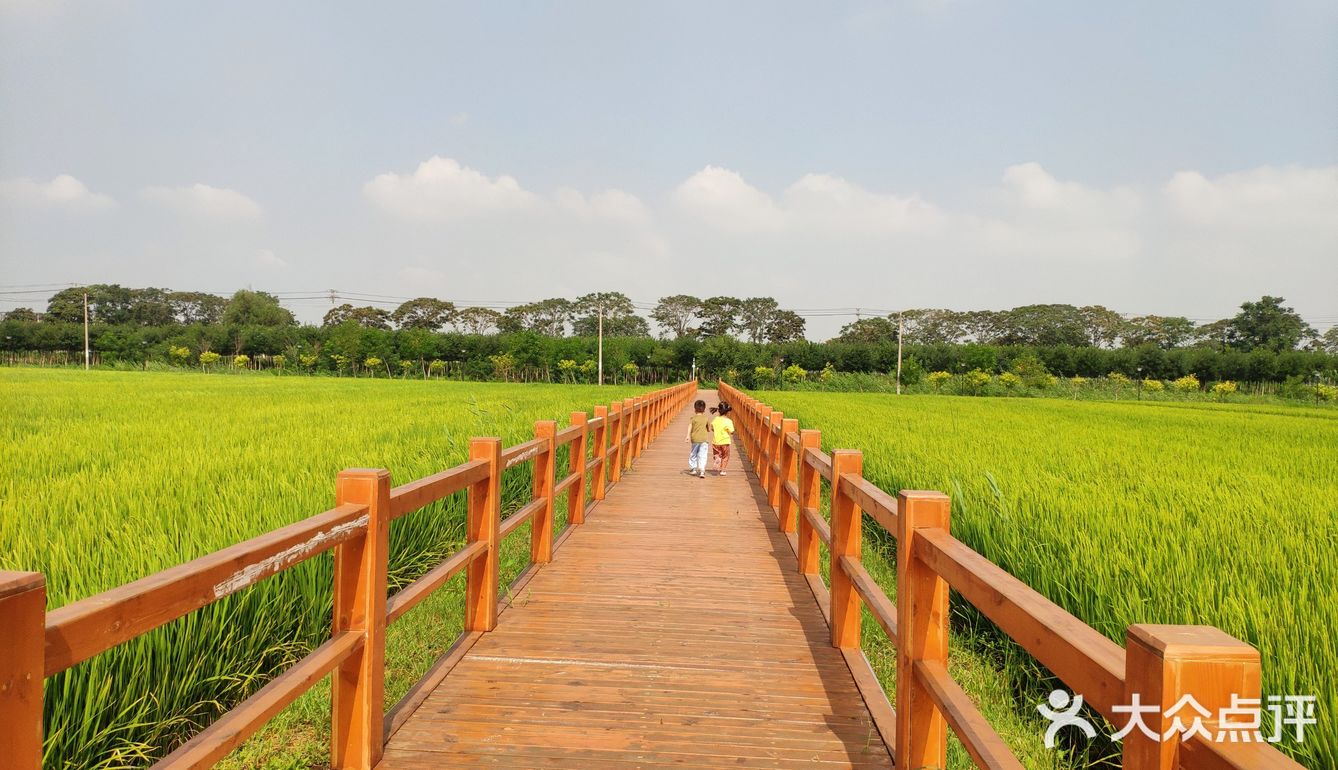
x=87, y=354
x=601, y=343
x=901, y=332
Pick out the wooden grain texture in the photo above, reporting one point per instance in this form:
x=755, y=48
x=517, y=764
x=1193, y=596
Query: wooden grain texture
x=673, y=629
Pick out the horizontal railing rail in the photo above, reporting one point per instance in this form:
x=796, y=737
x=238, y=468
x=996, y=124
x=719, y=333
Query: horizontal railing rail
x=36, y=643
x=1158, y=664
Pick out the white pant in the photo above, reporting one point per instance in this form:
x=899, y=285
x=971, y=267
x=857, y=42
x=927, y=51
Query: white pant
x=700, y=453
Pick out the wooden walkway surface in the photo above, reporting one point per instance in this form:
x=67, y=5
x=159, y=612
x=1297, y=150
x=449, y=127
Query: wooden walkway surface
x=672, y=628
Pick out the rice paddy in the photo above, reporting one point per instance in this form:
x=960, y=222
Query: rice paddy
x=1123, y=513
x=106, y=477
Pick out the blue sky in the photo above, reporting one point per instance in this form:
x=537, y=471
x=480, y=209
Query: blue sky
x=1156, y=158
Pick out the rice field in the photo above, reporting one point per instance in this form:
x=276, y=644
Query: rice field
x=106, y=477
x=1225, y=515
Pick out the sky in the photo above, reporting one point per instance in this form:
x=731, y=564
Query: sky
x=843, y=157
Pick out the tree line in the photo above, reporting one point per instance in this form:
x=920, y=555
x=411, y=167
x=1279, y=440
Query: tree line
x=1266, y=340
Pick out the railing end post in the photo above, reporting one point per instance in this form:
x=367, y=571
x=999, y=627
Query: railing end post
x=1165, y=664
x=22, y=666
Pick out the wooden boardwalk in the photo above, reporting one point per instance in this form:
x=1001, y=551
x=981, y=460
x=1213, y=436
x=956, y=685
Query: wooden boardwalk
x=672, y=628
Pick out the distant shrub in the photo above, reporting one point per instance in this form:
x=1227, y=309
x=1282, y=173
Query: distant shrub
x=794, y=373
x=241, y=361
x=976, y=379
x=1187, y=384
x=279, y=360
x=1224, y=389
x=1010, y=380
x=1153, y=386
x=209, y=358
x=180, y=354
x=764, y=374
x=937, y=379
x=1030, y=371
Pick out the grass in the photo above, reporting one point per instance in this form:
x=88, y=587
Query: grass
x=108, y=477
x=1123, y=513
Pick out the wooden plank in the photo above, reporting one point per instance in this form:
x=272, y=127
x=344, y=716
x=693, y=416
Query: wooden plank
x=513, y=456
x=566, y=481
x=673, y=629
x=408, y=597
x=880, y=506
x=429, y=489
x=228, y=732
x=986, y=748
x=820, y=526
x=510, y=523
x=404, y=709
x=879, y=605
x=820, y=461
x=1078, y=654
x=78, y=631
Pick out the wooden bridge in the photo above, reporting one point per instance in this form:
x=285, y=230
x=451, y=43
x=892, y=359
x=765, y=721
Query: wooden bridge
x=683, y=623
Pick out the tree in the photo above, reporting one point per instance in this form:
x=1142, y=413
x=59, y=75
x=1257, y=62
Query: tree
x=675, y=314
x=718, y=315
x=1267, y=324
x=931, y=326
x=785, y=326
x=1103, y=326
x=107, y=304
x=1165, y=332
x=367, y=317
x=869, y=331
x=549, y=317
x=754, y=316
x=620, y=318
x=1041, y=325
x=476, y=320
x=196, y=307
x=256, y=308
x=1329, y=341
x=1214, y=335
x=424, y=313
x=23, y=315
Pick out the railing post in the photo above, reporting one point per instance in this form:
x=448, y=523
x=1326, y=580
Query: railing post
x=484, y=518
x=774, y=438
x=545, y=466
x=601, y=452
x=847, y=535
x=357, y=692
x=629, y=416
x=810, y=496
x=22, y=667
x=922, y=617
x=619, y=417
x=576, y=464
x=789, y=472
x=1166, y=663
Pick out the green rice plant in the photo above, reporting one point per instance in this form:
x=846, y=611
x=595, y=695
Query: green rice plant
x=106, y=477
x=1122, y=513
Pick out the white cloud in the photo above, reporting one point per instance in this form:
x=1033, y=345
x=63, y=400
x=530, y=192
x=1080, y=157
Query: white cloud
x=205, y=203
x=721, y=198
x=63, y=192
x=459, y=119
x=268, y=259
x=1270, y=198
x=441, y=189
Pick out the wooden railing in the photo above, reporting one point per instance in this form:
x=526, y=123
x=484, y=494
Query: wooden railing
x=35, y=643
x=1159, y=664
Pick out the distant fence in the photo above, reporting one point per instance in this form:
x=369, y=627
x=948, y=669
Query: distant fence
x=1159, y=664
